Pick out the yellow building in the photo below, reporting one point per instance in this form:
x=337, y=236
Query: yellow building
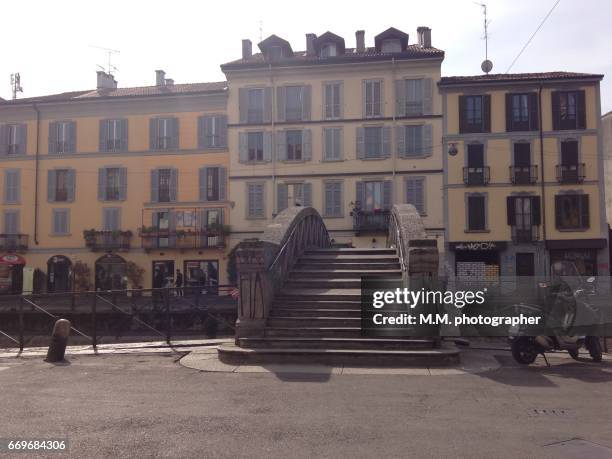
x=114, y=175
x=524, y=176
x=349, y=131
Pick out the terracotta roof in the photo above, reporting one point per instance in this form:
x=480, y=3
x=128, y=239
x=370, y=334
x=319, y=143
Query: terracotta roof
x=517, y=77
x=143, y=91
x=350, y=55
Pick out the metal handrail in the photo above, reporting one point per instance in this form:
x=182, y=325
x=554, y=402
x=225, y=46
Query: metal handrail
x=399, y=242
x=282, y=249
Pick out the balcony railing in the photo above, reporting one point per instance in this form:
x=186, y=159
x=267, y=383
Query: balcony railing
x=529, y=234
x=107, y=240
x=523, y=175
x=370, y=221
x=14, y=242
x=476, y=176
x=570, y=173
x=153, y=238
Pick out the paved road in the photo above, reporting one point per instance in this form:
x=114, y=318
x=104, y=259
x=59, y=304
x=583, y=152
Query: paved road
x=150, y=406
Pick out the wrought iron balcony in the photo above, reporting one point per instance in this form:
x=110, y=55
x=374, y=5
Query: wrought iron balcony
x=570, y=173
x=14, y=242
x=370, y=221
x=154, y=238
x=525, y=234
x=523, y=175
x=476, y=176
x=106, y=241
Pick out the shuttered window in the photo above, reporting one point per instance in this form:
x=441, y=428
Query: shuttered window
x=293, y=194
x=111, y=218
x=12, y=186
x=332, y=195
x=13, y=139
x=113, y=135
x=476, y=213
x=255, y=200
x=569, y=110
x=572, y=211
x=522, y=112
x=112, y=184
x=333, y=144
x=61, y=185
x=11, y=222
x=372, y=98
x=255, y=105
x=475, y=114
x=164, y=133
x=62, y=137
x=415, y=193
x=332, y=94
x=374, y=195
x=373, y=142
x=164, y=185
x=212, y=132
x=60, y=224
x=212, y=183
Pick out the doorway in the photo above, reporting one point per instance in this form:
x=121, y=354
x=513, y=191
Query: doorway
x=163, y=274
x=59, y=274
x=111, y=273
x=525, y=264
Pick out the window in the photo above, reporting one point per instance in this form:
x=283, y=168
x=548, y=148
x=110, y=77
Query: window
x=276, y=52
x=569, y=110
x=476, y=205
x=164, y=184
x=332, y=199
x=256, y=105
x=113, y=135
x=212, y=183
x=474, y=114
x=415, y=193
x=329, y=50
x=62, y=137
x=11, y=222
x=255, y=200
x=373, y=142
x=333, y=144
x=572, y=211
x=474, y=110
x=414, y=140
x=212, y=131
x=373, y=196
x=164, y=133
x=391, y=45
x=333, y=97
x=373, y=98
x=570, y=170
x=293, y=194
x=294, y=145
x=523, y=216
x=61, y=185
x=113, y=183
x=475, y=173
x=13, y=139
x=521, y=112
x=293, y=103
x=61, y=222
x=522, y=171
x=255, y=146
x=111, y=219
x=12, y=186
x=414, y=97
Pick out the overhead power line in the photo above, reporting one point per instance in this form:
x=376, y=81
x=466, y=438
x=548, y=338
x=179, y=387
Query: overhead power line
x=534, y=34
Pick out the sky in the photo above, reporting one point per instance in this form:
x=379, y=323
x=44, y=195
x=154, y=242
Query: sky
x=53, y=44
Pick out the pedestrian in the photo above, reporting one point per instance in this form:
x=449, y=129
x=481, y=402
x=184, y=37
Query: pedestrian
x=179, y=283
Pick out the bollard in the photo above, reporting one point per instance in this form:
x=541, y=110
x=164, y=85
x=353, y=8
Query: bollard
x=59, y=341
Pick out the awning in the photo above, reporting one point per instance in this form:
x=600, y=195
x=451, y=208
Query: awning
x=12, y=259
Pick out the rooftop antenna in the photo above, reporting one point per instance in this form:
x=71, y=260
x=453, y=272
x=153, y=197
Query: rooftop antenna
x=16, y=84
x=110, y=68
x=260, y=30
x=486, y=65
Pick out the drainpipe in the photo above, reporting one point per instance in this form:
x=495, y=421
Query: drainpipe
x=273, y=146
x=36, y=170
x=393, y=156
x=543, y=188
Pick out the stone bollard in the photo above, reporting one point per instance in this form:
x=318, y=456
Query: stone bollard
x=59, y=341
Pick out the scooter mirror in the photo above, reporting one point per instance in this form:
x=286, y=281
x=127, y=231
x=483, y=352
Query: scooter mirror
x=590, y=280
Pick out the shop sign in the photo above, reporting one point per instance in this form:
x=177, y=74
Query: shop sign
x=477, y=246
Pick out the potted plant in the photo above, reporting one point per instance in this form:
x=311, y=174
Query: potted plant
x=134, y=274
x=81, y=277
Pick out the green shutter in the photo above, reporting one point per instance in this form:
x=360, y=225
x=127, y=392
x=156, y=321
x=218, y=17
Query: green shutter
x=203, y=173
x=71, y=184
x=427, y=86
x=243, y=147
x=282, y=197
x=155, y=185
x=103, y=135
x=280, y=103
x=360, y=143
x=306, y=144
x=51, y=185
x=102, y=184
x=307, y=194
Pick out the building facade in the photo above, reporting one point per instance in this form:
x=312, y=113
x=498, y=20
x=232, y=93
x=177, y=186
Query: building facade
x=112, y=176
x=349, y=131
x=524, y=175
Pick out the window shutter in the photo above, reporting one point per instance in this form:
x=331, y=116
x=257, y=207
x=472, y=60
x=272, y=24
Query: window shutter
x=558, y=211
x=56, y=221
x=267, y=144
x=281, y=145
x=427, y=139
x=51, y=185
x=280, y=103
x=328, y=139
x=486, y=112
x=243, y=104
x=173, y=184
x=102, y=184
x=400, y=139
x=340, y=88
x=427, y=96
x=174, y=123
x=400, y=97
x=463, y=114
x=11, y=186
x=71, y=128
x=3, y=139
x=338, y=132
x=155, y=185
x=360, y=143
x=306, y=102
x=556, y=112
x=328, y=207
x=53, y=137
x=535, y=209
x=267, y=115
x=511, y=210
x=360, y=195
x=203, y=173
x=122, y=183
x=202, y=132
x=153, y=127
x=243, y=153
x=222, y=183
x=282, y=197
x=414, y=193
x=71, y=184
x=22, y=136
x=364, y=88
x=580, y=110
x=222, y=131
x=307, y=194
x=508, y=112
x=584, y=211
x=387, y=194
x=306, y=144
x=386, y=142
x=534, y=114
x=103, y=133
x=11, y=222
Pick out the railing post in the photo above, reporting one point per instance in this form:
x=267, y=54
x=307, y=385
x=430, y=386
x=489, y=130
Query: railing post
x=21, y=340
x=168, y=315
x=94, y=325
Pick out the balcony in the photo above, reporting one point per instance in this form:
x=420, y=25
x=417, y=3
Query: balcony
x=476, y=176
x=523, y=175
x=208, y=238
x=106, y=241
x=13, y=242
x=370, y=221
x=570, y=173
x=522, y=234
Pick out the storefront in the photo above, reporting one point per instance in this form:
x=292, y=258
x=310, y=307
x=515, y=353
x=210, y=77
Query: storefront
x=202, y=273
x=59, y=274
x=111, y=273
x=477, y=260
x=11, y=273
x=586, y=254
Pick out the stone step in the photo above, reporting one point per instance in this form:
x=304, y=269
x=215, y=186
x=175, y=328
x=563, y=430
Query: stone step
x=336, y=283
x=341, y=258
x=352, y=251
x=303, y=303
x=314, y=332
x=313, y=322
x=306, y=266
x=447, y=355
x=335, y=272
x=314, y=312
x=338, y=343
x=288, y=295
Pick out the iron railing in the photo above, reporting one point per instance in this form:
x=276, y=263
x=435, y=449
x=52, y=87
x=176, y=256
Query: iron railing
x=476, y=176
x=571, y=173
x=529, y=234
x=188, y=239
x=523, y=175
x=370, y=221
x=13, y=242
x=108, y=240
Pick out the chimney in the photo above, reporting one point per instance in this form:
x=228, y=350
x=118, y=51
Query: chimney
x=160, y=78
x=169, y=81
x=310, y=38
x=424, y=34
x=360, y=41
x=105, y=80
x=247, y=49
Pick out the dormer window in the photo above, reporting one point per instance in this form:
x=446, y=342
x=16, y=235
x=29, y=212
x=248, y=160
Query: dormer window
x=329, y=50
x=392, y=45
x=276, y=52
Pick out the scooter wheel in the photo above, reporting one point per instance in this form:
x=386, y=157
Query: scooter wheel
x=524, y=351
x=594, y=346
x=573, y=354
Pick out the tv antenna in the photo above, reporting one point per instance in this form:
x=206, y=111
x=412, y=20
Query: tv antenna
x=110, y=67
x=16, y=84
x=260, y=24
x=486, y=65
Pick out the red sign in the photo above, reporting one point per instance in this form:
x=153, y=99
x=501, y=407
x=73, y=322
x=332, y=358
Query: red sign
x=11, y=259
